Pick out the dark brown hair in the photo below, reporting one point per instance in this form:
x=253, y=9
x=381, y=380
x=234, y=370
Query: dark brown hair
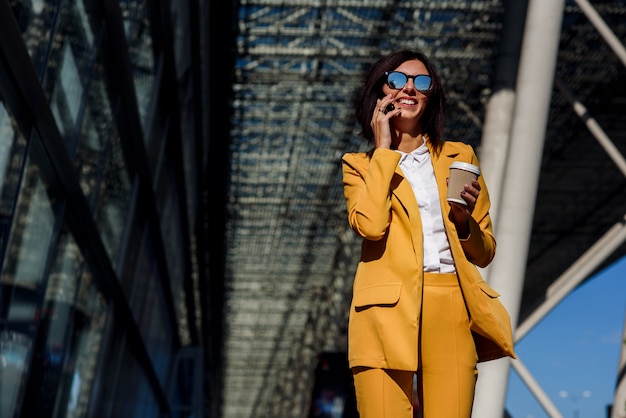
x=432, y=119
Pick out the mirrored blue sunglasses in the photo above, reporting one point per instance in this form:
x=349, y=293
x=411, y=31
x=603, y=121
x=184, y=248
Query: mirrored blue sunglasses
x=397, y=80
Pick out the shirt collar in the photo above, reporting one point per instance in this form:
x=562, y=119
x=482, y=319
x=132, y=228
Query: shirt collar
x=417, y=154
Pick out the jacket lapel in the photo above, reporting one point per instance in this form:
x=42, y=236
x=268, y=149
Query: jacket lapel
x=401, y=189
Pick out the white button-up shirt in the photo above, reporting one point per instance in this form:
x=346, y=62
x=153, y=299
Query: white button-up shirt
x=418, y=170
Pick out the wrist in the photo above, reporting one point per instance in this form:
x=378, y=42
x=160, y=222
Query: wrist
x=463, y=230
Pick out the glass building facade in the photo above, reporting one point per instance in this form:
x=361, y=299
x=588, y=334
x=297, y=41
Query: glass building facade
x=102, y=233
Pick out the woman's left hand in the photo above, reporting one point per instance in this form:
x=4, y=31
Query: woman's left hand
x=461, y=213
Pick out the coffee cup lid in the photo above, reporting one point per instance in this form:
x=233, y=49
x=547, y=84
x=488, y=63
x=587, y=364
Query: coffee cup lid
x=465, y=166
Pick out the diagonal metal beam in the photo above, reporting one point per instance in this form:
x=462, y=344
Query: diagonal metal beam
x=535, y=388
x=593, y=126
x=604, y=30
x=575, y=275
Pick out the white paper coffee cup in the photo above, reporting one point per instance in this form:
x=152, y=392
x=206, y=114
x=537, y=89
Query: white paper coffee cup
x=460, y=174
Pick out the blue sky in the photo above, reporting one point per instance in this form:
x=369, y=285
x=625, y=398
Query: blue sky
x=575, y=348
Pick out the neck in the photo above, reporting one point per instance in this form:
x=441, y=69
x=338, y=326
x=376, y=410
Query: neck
x=408, y=143
x=407, y=134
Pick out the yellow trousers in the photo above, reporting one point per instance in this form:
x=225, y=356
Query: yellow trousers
x=447, y=373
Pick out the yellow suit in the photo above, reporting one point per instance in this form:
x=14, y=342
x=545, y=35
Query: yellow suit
x=384, y=316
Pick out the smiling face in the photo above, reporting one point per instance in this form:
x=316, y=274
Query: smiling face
x=411, y=101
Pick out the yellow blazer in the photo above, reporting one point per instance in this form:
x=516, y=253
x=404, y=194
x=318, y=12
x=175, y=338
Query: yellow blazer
x=387, y=291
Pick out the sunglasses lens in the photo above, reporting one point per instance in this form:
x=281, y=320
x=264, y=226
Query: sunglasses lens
x=396, y=80
x=422, y=82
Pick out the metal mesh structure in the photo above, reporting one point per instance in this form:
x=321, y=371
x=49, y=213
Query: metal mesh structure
x=290, y=255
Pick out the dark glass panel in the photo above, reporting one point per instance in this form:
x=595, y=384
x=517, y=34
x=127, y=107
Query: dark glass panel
x=37, y=21
x=148, y=305
x=133, y=396
x=100, y=163
x=184, y=45
x=14, y=356
x=29, y=239
x=137, y=26
x=186, y=395
x=171, y=230
x=67, y=339
x=16, y=301
x=83, y=114
x=12, y=154
x=67, y=96
x=85, y=343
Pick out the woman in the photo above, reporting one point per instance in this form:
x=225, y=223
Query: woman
x=419, y=303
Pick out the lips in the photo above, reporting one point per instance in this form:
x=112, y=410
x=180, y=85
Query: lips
x=407, y=102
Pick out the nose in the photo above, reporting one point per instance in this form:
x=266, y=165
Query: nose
x=410, y=85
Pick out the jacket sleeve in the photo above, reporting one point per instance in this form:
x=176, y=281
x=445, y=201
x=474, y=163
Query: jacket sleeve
x=368, y=191
x=480, y=247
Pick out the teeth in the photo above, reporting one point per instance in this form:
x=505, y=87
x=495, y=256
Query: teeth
x=406, y=101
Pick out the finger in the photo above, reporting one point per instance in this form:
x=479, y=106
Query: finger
x=473, y=190
x=469, y=195
x=383, y=103
x=377, y=107
x=469, y=199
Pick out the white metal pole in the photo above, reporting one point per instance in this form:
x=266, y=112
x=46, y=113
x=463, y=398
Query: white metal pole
x=494, y=144
x=533, y=93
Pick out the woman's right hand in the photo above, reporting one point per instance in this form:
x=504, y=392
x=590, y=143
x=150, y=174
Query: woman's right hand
x=380, y=122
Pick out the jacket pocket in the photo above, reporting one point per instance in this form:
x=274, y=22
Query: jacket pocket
x=488, y=289
x=492, y=325
x=377, y=295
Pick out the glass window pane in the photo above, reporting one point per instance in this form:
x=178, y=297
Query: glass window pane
x=81, y=107
x=138, y=36
x=37, y=21
x=102, y=170
x=71, y=285
x=133, y=395
x=12, y=154
x=185, y=394
x=30, y=236
x=24, y=270
x=114, y=191
x=14, y=357
x=48, y=26
x=172, y=230
x=148, y=305
x=67, y=96
x=68, y=336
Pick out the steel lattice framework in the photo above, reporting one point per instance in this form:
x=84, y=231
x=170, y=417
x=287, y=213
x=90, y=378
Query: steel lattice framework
x=290, y=255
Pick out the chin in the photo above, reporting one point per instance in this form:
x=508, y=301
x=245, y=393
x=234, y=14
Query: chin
x=408, y=115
